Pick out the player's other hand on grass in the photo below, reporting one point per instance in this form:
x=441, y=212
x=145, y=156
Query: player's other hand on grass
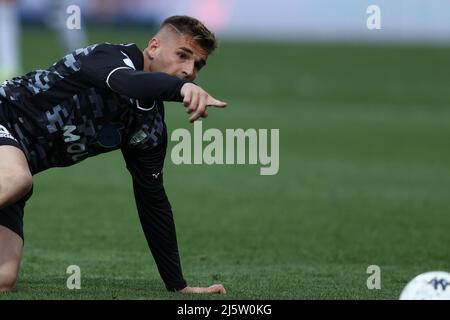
x=195, y=99
x=215, y=288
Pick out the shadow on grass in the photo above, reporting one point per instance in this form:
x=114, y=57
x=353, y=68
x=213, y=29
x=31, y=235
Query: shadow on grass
x=91, y=288
x=98, y=289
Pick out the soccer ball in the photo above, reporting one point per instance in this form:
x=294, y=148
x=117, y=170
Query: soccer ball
x=434, y=285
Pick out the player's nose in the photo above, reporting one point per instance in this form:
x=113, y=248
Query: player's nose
x=189, y=72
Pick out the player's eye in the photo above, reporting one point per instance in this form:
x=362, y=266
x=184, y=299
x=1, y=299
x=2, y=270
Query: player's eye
x=182, y=55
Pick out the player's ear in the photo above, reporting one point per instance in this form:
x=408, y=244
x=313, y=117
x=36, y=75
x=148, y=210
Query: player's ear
x=153, y=46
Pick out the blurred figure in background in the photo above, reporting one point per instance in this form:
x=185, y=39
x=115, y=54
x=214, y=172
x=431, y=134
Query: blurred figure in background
x=70, y=39
x=10, y=48
x=10, y=57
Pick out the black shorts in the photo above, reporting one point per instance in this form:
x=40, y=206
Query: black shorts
x=12, y=216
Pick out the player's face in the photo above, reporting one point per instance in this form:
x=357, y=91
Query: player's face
x=177, y=55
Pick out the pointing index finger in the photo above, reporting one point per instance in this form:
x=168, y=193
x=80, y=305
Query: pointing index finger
x=216, y=103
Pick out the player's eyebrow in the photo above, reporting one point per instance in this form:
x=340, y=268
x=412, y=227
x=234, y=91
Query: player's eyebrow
x=198, y=63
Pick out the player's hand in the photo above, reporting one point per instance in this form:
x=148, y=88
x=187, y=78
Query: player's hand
x=195, y=99
x=215, y=288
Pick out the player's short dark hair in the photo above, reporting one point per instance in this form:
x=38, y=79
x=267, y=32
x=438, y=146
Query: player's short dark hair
x=194, y=28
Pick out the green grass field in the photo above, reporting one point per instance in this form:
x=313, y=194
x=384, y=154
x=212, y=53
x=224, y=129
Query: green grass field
x=364, y=180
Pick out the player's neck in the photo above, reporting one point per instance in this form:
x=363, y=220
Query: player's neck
x=147, y=61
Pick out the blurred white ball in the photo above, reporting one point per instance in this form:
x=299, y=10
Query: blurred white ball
x=434, y=285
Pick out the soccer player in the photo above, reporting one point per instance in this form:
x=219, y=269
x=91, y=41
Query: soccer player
x=95, y=100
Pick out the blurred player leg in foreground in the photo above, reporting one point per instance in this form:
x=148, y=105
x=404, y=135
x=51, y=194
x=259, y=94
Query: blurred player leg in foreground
x=9, y=40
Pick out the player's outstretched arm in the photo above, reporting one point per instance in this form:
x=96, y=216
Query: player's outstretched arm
x=148, y=86
x=215, y=288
